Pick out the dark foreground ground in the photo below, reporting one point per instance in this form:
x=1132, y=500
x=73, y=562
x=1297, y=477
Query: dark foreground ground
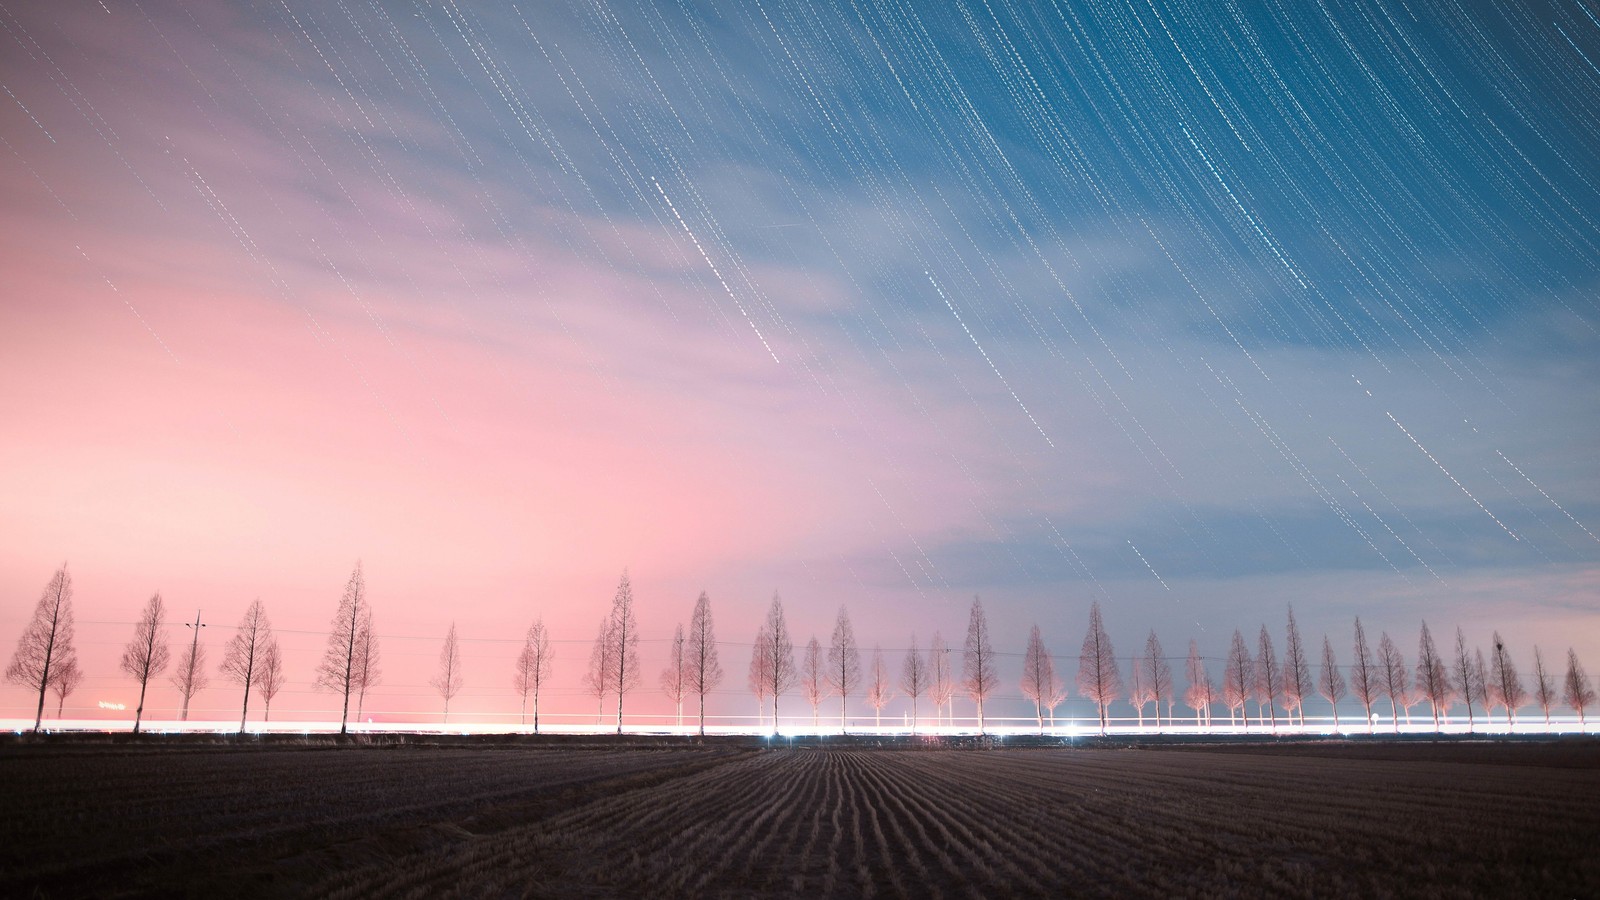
x=734, y=818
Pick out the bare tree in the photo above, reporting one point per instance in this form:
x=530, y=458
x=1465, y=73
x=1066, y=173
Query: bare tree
x=941, y=681
x=880, y=689
x=1238, y=678
x=1038, y=674
x=1363, y=679
x=190, y=675
x=450, y=679
x=1468, y=680
x=673, y=682
x=146, y=655
x=1296, y=672
x=1394, y=680
x=979, y=677
x=777, y=654
x=1138, y=691
x=1098, y=678
x=1269, y=682
x=533, y=669
x=1433, y=680
x=913, y=679
x=271, y=678
x=624, y=635
x=366, y=673
x=1057, y=694
x=1200, y=692
x=1577, y=690
x=1544, y=690
x=602, y=672
x=47, y=640
x=813, y=679
x=1505, y=685
x=844, y=663
x=65, y=680
x=1330, y=682
x=1409, y=698
x=1480, y=673
x=241, y=660
x=760, y=666
x=1157, y=676
x=340, y=668
x=702, y=670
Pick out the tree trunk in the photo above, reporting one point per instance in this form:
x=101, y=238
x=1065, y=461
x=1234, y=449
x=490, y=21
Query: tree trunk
x=138, y=715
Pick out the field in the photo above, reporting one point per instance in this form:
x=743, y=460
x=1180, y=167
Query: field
x=827, y=818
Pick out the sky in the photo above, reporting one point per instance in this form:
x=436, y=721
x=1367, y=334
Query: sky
x=1192, y=310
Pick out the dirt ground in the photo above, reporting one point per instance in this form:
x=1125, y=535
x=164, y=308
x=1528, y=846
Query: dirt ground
x=742, y=817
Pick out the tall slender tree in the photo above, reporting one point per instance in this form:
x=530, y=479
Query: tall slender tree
x=760, y=666
x=1468, y=680
x=272, y=677
x=1544, y=689
x=602, y=673
x=1038, y=674
x=1098, y=678
x=941, y=678
x=979, y=677
x=913, y=678
x=450, y=678
x=673, y=681
x=624, y=634
x=1269, y=682
x=1433, y=679
x=1363, y=678
x=1330, y=682
x=777, y=651
x=533, y=669
x=1297, y=684
x=146, y=655
x=242, y=659
x=46, y=642
x=1505, y=685
x=1057, y=694
x=1157, y=676
x=813, y=678
x=1576, y=689
x=1238, y=679
x=190, y=675
x=340, y=668
x=703, y=671
x=880, y=688
x=844, y=664
x=1198, y=696
x=1138, y=691
x=1394, y=679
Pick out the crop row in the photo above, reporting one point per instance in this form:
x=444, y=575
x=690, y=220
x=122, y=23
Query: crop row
x=79, y=813
x=859, y=823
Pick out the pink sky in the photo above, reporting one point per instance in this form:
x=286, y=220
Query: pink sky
x=275, y=302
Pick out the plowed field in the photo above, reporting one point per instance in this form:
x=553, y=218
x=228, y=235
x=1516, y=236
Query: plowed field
x=730, y=820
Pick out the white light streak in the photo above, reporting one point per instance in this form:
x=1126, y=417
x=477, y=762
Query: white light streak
x=1451, y=477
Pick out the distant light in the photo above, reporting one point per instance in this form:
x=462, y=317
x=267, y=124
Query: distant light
x=105, y=705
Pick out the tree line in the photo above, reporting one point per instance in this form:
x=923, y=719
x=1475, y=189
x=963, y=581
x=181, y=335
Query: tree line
x=46, y=661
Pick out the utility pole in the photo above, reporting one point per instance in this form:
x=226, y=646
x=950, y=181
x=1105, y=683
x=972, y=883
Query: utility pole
x=192, y=646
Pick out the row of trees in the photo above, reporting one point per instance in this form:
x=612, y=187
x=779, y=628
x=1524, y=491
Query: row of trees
x=46, y=661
